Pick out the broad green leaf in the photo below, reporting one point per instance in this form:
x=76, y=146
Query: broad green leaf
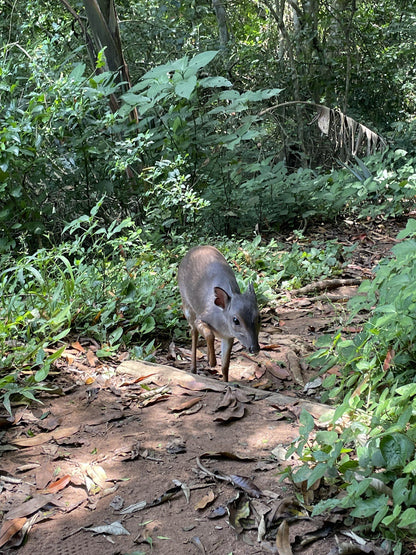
x=397, y=449
x=408, y=518
x=409, y=230
x=202, y=59
x=77, y=72
x=186, y=87
x=317, y=473
x=213, y=82
x=365, y=508
x=42, y=373
x=307, y=422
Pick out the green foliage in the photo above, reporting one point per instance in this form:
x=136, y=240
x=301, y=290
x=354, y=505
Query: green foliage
x=107, y=283
x=371, y=462
x=372, y=458
x=382, y=354
x=204, y=152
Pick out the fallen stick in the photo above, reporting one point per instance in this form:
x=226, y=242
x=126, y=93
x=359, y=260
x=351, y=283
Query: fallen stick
x=325, y=284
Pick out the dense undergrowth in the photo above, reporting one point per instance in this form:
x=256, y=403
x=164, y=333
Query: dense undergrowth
x=368, y=454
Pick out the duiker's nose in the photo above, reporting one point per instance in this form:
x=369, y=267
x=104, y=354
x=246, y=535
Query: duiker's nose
x=254, y=349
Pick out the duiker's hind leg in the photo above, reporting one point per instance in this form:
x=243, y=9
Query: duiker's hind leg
x=205, y=330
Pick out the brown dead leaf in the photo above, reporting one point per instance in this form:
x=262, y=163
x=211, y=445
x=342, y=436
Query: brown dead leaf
x=92, y=359
x=227, y=400
x=97, y=475
x=246, y=485
x=271, y=347
x=44, y=438
x=69, y=357
x=9, y=528
x=282, y=539
x=186, y=405
x=43, y=475
x=136, y=380
x=31, y=506
x=205, y=501
x=238, y=511
x=277, y=371
x=27, y=467
x=77, y=345
x=232, y=413
x=195, y=385
x=50, y=423
x=58, y=485
x=294, y=367
x=388, y=360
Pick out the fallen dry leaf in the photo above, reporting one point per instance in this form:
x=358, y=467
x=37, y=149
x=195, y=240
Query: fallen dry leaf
x=31, y=506
x=59, y=484
x=77, y=345
x=232, y=413
x=246, y=485
x=205, y=501
x=44, y=438
x=282, y=539
x=114, y=529
x=92, y=359
x=97, y=474
x=186, y=405
x=9, y=528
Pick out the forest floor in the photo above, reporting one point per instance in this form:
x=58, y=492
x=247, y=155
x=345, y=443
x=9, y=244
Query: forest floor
x=186, y=464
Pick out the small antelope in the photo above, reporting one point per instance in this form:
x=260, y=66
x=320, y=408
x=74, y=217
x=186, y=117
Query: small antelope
x=215, y=307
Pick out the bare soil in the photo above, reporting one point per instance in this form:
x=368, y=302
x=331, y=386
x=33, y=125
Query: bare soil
x=106, y=443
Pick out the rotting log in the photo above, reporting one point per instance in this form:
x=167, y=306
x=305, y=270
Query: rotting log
x=163, y=375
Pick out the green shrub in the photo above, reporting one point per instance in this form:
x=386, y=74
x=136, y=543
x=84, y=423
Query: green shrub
x=369, y=452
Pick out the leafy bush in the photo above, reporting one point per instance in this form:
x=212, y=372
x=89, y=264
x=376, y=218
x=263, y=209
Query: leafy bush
x=369, y=452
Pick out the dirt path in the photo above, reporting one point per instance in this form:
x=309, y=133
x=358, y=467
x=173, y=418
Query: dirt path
x=210, y=475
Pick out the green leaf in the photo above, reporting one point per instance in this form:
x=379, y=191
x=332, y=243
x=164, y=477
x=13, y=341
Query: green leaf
x=397, y=449
x=368, y=507
x=317, y=473
x=132, y=99
x=378, y=517
x=408, y=518
x=77, y=72
x=186, y=87
x=148, y=325
x=307, y=422
x=408, y=231
x=213, y=82
x=42, y=373
x=201, y=60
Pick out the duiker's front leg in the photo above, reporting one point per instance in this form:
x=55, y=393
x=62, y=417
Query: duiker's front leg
x=226, y=345
x=194, y=335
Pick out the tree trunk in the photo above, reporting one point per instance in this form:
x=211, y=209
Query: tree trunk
x=222, y=23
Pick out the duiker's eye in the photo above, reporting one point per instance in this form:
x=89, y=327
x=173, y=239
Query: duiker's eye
x=236, y=321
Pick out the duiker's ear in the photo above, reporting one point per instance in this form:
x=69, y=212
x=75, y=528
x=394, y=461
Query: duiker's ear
x=250, y=288
x=221, y=298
